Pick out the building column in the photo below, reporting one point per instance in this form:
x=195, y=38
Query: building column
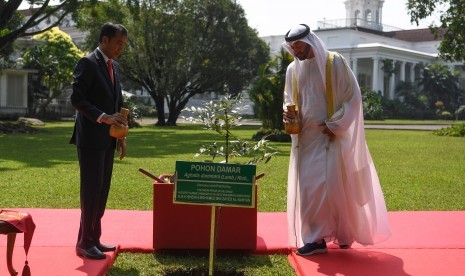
x=392, y=86
x=3, y=80
x=355, y=67
x=375, y=84
x=412, y=72
x=402, y=70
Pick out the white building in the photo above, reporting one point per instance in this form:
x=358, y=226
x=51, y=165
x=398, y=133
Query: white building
x=367, y=45
x=14, y=84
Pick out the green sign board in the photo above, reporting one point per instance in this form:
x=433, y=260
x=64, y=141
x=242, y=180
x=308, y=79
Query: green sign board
x=215, y=184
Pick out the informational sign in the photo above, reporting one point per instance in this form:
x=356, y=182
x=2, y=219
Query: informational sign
x=215, y=184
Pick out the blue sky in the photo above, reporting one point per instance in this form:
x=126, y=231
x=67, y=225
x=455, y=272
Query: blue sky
x=276, y=17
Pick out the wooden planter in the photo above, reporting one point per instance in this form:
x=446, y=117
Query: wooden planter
x=181, y=226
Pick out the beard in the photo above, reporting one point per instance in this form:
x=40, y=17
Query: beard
x=303, y=54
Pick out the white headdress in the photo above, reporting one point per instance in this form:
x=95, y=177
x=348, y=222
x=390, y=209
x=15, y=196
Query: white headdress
x=303, y=33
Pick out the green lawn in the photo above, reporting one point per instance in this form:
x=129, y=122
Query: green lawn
x=417, y=170
x=411, y=122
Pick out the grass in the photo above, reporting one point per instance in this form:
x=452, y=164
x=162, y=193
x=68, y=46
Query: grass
x=411, y=122
x=163, y=264
x=417, y=170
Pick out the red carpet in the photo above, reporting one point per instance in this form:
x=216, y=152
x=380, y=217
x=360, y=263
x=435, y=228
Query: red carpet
x=423, y=243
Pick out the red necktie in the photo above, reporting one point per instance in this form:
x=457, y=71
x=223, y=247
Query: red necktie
x=110, y=71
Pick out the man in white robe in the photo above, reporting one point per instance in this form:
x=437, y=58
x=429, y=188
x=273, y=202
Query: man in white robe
x=334, y=193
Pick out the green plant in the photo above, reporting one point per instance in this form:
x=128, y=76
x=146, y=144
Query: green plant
x=266, y=91
x=134, y=112
x=441, y=84
x=372, y=108
x=459, y=112
x=454, y=131
x=54, y=60
x=222, y=117
x=275, y=135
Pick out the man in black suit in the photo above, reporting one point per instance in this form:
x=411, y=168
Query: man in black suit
x=97, y=97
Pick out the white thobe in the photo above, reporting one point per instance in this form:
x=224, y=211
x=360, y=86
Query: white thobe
x=333, y=188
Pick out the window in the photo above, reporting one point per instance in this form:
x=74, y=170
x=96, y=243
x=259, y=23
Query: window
x=14, y=91
x=368, y=16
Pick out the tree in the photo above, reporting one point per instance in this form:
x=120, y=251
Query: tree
x=451, y=26
x=178, y=49
x=14, y=25
x=54, y=60
x=440, y=84
x=267, y=91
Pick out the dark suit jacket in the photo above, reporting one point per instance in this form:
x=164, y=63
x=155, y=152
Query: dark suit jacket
x=92, y=95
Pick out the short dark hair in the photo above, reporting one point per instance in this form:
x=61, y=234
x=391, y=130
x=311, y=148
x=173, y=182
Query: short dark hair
x=110, y=29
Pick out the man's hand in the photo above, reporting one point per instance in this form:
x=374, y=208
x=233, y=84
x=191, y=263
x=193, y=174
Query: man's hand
x=328, y=132
x=288, y=116
x=121, y=145
x=116, y=118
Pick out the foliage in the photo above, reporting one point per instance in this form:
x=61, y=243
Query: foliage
x=134, y=112
x=7, y=48
x=411, y=96
x=267, y=91
x=436, y=94
x=440, y=84
x=208, y=47
x=460, y=112
x=441, y=113
x=453, y=131
x=451, y=25
x=222, y=117
x=275, y=135
x=14, y=25
x=371, y=102
x=54, y=59
x=389, y=69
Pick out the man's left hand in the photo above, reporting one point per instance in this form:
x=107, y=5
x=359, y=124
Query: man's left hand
x=121, y=145
x=328, y=132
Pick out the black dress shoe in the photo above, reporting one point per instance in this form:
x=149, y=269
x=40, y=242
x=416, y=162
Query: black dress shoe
x=106, y=248
x=90, y=253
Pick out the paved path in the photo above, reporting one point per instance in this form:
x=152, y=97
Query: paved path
x=407, y=127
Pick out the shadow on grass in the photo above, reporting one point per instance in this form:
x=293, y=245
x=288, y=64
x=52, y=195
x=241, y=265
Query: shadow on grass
x=51, y=146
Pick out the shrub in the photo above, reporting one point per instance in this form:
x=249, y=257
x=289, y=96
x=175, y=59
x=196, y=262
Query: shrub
x=372, y=108
x=275, y=135
x=454, y=131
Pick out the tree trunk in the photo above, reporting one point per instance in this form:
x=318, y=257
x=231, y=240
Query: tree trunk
x=175, y=108
x=175, y=111
x=43, y=107
x=160, y=106
x=173, y=116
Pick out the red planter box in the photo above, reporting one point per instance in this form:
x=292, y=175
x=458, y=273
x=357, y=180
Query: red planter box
x=181, y=226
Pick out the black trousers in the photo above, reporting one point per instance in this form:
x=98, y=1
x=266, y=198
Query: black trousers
x=96, y=168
